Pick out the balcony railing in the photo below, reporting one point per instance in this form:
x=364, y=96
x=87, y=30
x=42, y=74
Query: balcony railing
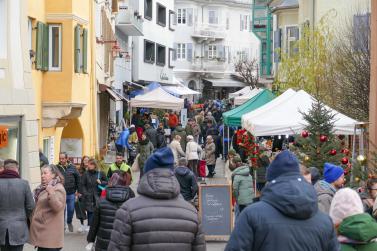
x=202, y=30
x=129, y=22
x=209, y=65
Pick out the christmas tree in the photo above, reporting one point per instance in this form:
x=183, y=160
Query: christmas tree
x=317, y=144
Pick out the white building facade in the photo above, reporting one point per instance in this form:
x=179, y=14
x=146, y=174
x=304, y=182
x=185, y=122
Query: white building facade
x=211, y=36
x=152, y=54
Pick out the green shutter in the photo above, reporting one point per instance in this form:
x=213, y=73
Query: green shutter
x=85, y=51
x=77, y=49
x=45, y=48
x=39, y=48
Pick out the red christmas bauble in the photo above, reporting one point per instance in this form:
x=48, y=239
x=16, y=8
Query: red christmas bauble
x=255, y=152
x=346, y=172
x=344, y=161
x=305, y=134
x=345, y=151
x=323, y=138
x=341, y=137
x=333, y=152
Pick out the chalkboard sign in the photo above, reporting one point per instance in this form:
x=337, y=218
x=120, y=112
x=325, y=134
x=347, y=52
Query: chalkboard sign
x=215, y=208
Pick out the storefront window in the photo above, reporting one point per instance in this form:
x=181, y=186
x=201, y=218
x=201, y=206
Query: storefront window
x=10, y=138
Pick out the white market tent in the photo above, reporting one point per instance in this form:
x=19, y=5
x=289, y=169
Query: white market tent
x=245, y=97
x=180, y=90
x=282, y=116
x=158, y=98
x=243, y=91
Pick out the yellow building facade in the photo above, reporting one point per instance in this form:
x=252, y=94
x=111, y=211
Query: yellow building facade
x=62, y=42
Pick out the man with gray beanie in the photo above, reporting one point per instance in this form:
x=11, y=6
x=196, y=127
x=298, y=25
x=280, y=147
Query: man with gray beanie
x=159, y=219
x=286, y=217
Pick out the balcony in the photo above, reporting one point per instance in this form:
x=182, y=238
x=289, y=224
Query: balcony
x=209, y=65
x=129, y=21
x=209, y=32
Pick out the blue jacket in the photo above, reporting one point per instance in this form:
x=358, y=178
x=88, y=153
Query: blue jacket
x=123, y=139
x=287, y=218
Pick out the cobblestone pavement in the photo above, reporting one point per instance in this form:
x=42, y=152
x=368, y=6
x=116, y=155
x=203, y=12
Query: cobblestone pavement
x=77, y=241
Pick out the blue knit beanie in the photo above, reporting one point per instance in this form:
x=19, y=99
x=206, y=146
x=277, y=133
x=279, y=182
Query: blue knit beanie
x=162, y=158
x=285, y=162
x=332, y=172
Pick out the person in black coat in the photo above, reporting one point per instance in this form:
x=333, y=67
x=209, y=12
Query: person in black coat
x=286, y=217
x=104, y=215
x=92, y=182
x=151, y=134
x=187, y=180
x=161, y=142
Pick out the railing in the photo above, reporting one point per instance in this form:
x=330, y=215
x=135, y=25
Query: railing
x=209, y=30
x=210, y=65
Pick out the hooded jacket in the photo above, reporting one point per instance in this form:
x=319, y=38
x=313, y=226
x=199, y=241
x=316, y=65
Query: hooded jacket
x=360, y=231
x=187, y=182
x=181, y=132
x=159, y=219
x=243, y=189
x=104, y=215
x=286, y=218
x=325, y=192
x=151, y=134
x=161, y=142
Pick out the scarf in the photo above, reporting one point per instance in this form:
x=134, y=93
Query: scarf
x=42, y=187
x=9, y=174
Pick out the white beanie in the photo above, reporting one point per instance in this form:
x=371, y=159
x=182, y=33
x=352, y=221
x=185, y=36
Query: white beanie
x=345, y=203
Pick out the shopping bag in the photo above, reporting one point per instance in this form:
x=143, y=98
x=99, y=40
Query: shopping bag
x=135, y=166
x=202, y=168
x=80, y=210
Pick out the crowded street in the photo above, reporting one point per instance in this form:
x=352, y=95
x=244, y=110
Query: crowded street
x=188, y=125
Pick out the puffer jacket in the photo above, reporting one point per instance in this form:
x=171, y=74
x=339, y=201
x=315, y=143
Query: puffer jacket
x=263, y=163
x=152, y=135
x=71, y=178
x=159, y=219
x=187, y=182
x=360, y=230
x=210, y=153
x=193, y=150
x=325, y=192
x=176, y=148
x=286, y=218
x=104, y=215
x=161, y=142
x=90, y=190
x=181, y=132
x=243, y=189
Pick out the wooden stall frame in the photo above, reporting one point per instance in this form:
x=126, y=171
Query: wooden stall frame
x=217, y=237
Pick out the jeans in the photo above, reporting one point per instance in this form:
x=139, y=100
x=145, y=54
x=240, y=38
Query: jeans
x=211, y=170
x=49, y=249
x=90, y=217
x=70, y=207
x=193, y=165
x=8, y=247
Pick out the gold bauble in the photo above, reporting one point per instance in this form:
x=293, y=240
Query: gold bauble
x=361, y=159
x=357, y=179
x=306, y=158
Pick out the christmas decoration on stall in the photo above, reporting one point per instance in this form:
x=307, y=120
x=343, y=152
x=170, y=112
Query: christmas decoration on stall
x=247, y=142
x=317, y=144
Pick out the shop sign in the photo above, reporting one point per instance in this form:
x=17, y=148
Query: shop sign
x=3, y=136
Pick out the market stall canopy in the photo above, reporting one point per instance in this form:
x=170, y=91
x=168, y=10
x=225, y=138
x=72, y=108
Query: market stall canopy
x=233, y=117
x=243, y=91
x=158, y=98
x=180, y=90
x=224, y=82
x=242, y=99
x=283, y=116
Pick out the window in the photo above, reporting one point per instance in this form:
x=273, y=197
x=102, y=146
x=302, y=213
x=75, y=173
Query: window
x=245, y=21
x=181, y=51
x=181, y=17
x=30, y=36
x=55, y=47
x=161, y=55
x=292, y=35
x=148, y=9
x=227, y=23
x=212, y=52
x=213, y=17
x=10, y=129
x=172, y=57
x=172, y=20
x=149, y=52
x=161, y=15
x=3, y=28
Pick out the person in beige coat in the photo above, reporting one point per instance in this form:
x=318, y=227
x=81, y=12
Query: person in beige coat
x=176, y=147
x=192, y=154
x=47, y=222
x=210, y=153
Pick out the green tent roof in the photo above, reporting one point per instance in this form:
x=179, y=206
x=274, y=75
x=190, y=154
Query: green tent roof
x=233, y=117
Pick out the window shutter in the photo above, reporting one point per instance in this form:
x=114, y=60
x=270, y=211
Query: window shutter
x=361, y=31
x=114, y=6
x=45, y=48
x=175, y=46
x=85, y=51
x=189, y=16
x=39, y=47
x=77, y=49
x=189, y=52
x=206, y=51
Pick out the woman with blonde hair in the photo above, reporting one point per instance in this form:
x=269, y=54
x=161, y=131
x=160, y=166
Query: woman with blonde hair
x=47, y=222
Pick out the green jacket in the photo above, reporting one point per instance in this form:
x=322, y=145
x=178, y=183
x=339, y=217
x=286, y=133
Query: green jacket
x=243, y=189
x=113, y=168
x=360, y=228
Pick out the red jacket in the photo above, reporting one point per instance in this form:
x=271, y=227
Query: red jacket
x=173, y=120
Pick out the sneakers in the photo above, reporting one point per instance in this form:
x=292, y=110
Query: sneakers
x=70, y=227
x=87, y=228
x=81, y=229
